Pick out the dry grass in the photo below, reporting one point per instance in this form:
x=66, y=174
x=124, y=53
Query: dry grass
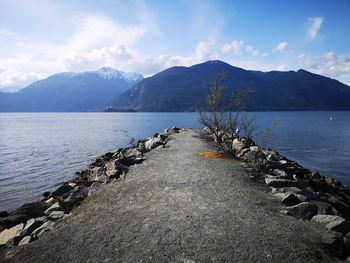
x=214, y=155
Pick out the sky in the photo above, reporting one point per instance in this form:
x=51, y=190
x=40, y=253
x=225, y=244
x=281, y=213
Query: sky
x=39, y=38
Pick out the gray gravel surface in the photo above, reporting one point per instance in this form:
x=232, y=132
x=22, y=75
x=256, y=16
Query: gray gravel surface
x=179, y=207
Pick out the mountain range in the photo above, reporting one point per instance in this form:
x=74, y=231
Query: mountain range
x=178, y=89
x=185, y=88
x=85, y=91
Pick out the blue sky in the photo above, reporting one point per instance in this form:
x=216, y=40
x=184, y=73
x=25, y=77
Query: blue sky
x=41, y=37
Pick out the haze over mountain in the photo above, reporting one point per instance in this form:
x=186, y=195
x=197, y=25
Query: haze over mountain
x=185, y=88
x=85, y=91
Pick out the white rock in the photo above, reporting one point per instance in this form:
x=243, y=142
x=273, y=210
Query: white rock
x=25, y=240
x=55, y=206
x=7, y=234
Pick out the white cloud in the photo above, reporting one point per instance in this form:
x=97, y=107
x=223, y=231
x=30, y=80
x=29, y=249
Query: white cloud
x=315, y=24
x=281, y=47
x=328, y=64
x=204, y=50
x=238, y=47
x=97, y=41
x=251, y=50
x=12, y=80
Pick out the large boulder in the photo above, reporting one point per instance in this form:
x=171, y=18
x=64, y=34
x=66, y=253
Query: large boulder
x=332, y=222
x=61, y=191
x=114, y=169
x=303, y=210
x=7, y=234
x=153, y=143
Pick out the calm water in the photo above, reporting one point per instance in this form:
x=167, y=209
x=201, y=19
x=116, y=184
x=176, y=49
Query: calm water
x=38, y=151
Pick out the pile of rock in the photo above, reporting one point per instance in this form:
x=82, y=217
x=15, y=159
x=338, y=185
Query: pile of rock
x=306, y=195
x=31, y=221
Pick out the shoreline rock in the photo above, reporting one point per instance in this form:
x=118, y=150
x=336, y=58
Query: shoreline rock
x=31, y=221
x=307, y=195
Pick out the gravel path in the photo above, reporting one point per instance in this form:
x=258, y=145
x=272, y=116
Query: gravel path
x=179, y=207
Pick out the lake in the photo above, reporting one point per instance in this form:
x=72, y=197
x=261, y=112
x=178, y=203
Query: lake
x=39, y=151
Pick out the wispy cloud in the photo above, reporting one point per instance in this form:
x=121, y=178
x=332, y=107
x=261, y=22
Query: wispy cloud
x=315, y=24
x=281, y=47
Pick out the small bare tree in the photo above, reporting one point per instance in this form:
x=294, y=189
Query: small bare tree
x=227, y=122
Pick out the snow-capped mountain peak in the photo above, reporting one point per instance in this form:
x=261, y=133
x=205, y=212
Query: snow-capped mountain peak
x=109, y=73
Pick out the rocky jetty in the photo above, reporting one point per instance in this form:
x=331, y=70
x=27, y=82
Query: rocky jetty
x=31, y=221
x=306, y=195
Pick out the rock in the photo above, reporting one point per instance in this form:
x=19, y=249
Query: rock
x=290, y=199
x=78, y=194
x=309, y=193
x=72, y=185
x=280, y=174
x=54, y=207
x=61, y=191
x=114, y=169
x=97, y=175
x=30, y=226
x=252, y=156
x=283, y=162
x=13, y=220
x=242, y=152
x=205, y=129
x=254, y=148
x=23, y=213
x=41, y=219
x=14, y=241
x=332, y=222
x=7, y=234
x=152, y=143
x=294, y=190
x=340, y=206
x=55, y=215
x=333, y=240
x=324, y=208
x=237, y=145
x=51, y=200
x=46, y=194
x=303, y=210
x=47, y=226
x=24, y=241
x=278, y=183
